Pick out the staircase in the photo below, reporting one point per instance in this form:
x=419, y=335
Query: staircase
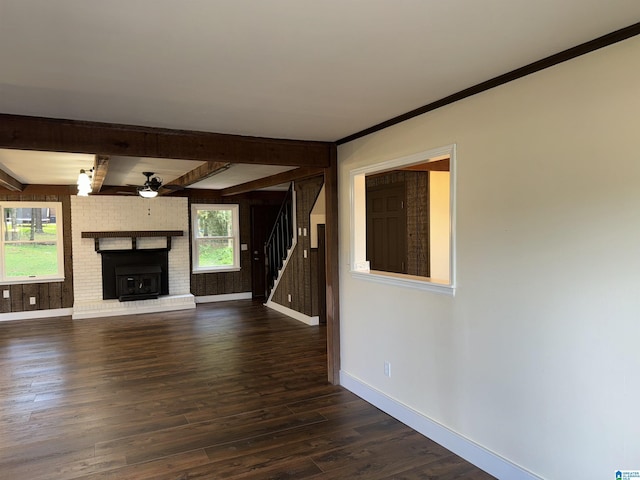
x=280, y=241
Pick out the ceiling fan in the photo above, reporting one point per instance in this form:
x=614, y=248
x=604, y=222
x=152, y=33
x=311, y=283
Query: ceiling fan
x=151, y=185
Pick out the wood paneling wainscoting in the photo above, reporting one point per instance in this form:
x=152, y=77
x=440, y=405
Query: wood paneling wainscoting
x=297, y=277
x=229, y=390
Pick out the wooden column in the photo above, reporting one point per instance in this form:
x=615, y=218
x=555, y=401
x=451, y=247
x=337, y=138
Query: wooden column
x=332, y=264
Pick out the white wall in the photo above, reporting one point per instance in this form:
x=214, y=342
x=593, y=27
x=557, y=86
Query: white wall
x=113, y=213
x=317, y=217
x=439, y=226
x=536, y=357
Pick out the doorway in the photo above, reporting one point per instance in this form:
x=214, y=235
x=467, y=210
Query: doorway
x=263, y=218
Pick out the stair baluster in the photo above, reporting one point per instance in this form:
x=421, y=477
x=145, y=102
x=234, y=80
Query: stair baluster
x=280, y=241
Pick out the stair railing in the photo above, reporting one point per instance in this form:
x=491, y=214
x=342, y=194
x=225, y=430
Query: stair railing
x=280, y=241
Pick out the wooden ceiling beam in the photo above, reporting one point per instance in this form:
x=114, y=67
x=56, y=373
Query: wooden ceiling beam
x=196, y=175
x=100, y=168
x=10, y=183
x=118, y=190
x=58, y=135
x=277, y=179
x=41, y=190
x=437, y=166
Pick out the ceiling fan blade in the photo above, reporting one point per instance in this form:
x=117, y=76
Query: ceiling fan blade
x=173, y=187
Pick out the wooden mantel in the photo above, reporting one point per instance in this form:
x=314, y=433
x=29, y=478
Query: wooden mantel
x=133, y=235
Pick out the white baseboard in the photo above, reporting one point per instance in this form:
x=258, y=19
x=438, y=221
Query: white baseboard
x=224, y=297
x=33, y=314
x=110, y=308
x=293, y=314
x=481, y=457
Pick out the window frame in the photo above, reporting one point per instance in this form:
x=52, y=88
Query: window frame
x=235, y=227
x=59, y=242
x=359, y=266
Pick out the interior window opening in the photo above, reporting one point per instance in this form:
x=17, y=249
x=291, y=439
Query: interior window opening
x=402, y=219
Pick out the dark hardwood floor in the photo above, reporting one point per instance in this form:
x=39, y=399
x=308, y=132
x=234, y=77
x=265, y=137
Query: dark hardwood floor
x=226, y=391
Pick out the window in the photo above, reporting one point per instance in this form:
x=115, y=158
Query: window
x=32, y=249
x=402, y=221
x=215, y=236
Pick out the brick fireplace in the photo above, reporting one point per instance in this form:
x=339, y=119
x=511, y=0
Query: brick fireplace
x=122, y=216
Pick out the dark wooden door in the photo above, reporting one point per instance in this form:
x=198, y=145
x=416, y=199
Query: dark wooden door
x=387, y=227
x=322, y=275
x=262, y=219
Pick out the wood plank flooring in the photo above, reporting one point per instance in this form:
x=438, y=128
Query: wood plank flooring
x=227, y=391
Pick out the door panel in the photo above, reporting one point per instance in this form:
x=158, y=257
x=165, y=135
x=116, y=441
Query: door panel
x=262, y=219
x=387, y=227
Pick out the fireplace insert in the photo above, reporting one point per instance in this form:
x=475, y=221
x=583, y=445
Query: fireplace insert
x=147, y=270
x=137, y=282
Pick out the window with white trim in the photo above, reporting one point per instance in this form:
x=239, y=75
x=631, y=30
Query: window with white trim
x=215, y=237
x=31, y=249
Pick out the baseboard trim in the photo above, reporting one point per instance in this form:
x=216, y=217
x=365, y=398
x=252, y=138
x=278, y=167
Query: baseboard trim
x=474, y=453
x=111, y=308
x=293, y=314
x=224, y=297
x=33, y=314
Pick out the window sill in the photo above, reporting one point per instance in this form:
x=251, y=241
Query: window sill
x=407, y=281
x=21, y=281
x=216, y=270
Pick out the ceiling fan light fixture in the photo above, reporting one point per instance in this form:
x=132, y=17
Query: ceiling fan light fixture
x=147, y=192
x=151, y=186
x=84, y=184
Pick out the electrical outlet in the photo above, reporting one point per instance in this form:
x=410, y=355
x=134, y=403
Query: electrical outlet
x=5, y=294
x=304, y=252
x=32, y=300
x=289, y=297
x=304, y=232
x=387, y=369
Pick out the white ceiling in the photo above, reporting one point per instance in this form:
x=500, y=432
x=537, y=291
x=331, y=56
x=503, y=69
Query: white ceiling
x=53, y=168
x=303, y=69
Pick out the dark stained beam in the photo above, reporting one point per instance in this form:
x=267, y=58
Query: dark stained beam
x=277, y=179
x=332, y=265
x=10, y=183
x=437, y=166
x=118, y=190
x=100, y=168
x=41, y=190
x=194, y=176
x=57, y=135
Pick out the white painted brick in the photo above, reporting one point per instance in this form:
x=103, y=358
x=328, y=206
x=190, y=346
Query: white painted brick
x=110, y=213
